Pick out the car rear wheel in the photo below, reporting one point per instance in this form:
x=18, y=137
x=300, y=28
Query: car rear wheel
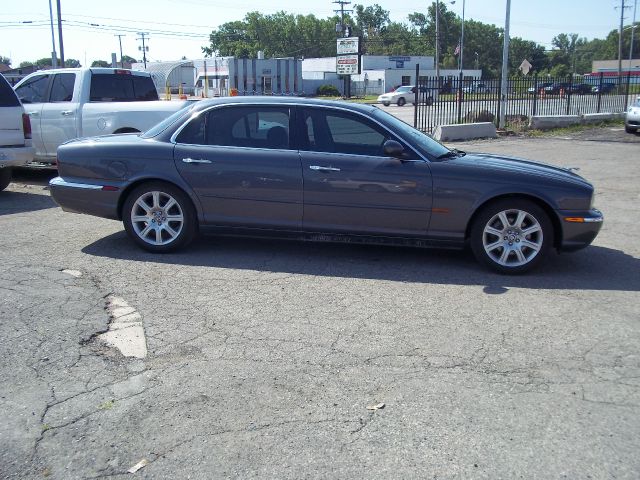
x=5, y=177
x=511, y=236
x=159, y=217
x=386, y=104
x=401, y=101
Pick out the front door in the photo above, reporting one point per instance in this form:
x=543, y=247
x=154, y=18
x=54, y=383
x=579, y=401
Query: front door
x=33, y=94
x=351, y=186
x=239, y=162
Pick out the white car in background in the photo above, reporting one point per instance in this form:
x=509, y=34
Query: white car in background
x=632, y=117
x=15, y=133
x=407, y=93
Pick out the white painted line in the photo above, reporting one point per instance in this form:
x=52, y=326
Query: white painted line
x=126, y=332
x=73, y=273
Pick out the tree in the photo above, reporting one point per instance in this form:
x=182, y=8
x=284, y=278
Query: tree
x=100, y=63
x=5, y=60
x=128, y=59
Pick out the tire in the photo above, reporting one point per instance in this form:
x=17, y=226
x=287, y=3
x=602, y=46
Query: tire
x=5, y=177
x=429, y=101
x=144, y=215
x=629, y=129
x=386, y=104
x=401, y=101
x=502, y=227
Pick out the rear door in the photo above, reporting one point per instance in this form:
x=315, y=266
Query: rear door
x=33, y=94
x=59, y=115
x=240, y=162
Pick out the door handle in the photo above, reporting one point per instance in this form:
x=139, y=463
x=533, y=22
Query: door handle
x=33, y=114
x=319, y=168
x=195, y=160
x=66, y=113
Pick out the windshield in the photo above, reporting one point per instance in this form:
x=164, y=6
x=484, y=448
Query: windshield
x=424, y=143
x=166, y=123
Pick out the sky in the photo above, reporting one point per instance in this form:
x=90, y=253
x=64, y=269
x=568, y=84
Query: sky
x=180, y=27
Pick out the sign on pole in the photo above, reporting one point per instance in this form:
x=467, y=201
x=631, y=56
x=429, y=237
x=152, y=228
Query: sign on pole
x=348, y=56
x=525, y=66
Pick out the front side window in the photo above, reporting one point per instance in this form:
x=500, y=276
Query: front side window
x=338, y=132
x=62, y=87
x=34, y=89
x=251, y=127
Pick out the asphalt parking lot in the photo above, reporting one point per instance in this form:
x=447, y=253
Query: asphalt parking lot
x=262, y=357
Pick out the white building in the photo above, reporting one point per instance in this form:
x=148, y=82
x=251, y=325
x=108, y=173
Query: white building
x=379, y=73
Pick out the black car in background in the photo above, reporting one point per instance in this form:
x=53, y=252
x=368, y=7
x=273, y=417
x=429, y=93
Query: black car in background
x=322, y=171
x=540, y=87
x=581, y=88
x=557, y=88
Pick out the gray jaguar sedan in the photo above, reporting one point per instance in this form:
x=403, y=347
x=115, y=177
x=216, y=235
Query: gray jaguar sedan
x=323, y=171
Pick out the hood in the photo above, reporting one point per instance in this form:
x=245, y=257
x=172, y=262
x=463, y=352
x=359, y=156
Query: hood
x=522, y=166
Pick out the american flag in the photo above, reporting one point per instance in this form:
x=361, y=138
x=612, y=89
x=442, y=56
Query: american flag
x=457, y=51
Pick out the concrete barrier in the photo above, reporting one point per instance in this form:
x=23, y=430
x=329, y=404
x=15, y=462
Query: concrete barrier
x=465, y=131
x=543, y=122
x=600, y=117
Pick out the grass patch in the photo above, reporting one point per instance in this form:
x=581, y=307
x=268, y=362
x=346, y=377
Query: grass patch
x=108, y=405
x=554, y=132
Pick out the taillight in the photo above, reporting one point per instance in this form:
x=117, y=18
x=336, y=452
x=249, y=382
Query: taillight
x=26, y=126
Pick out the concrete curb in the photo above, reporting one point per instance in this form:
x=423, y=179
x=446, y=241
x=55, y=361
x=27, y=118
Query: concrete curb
x=465, y=131
x=545, y=122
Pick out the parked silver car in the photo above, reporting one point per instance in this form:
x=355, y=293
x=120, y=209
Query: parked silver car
x=632, y=117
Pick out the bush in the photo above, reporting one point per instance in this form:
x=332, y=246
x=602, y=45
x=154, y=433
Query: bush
x=479, y=116
x=328, y=91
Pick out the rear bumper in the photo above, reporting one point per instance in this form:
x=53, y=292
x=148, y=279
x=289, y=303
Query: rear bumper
x=86, y=198
x=15, y=156
x=579, y=229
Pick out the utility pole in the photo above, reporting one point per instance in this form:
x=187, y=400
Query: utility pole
x=462, y=36
x=60, y=35
x=438, y=43
x=120, y=35
x=144, y=48
x=505, y=66
x=343, y=33
x=622, y=7
x=54, y=55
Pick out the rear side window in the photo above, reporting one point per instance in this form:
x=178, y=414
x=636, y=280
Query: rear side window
x=34, y=89
x=121, y=88
x=62, y=87
x=8, y=97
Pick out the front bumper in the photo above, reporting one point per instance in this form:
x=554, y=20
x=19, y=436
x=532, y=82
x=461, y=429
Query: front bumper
x=91, y=199
x=15, y=156
x=579, y=228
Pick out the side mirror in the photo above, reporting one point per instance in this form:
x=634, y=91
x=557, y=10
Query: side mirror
x=391, y=148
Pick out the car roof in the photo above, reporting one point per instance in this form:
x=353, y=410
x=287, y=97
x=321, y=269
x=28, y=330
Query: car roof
x=277, y=100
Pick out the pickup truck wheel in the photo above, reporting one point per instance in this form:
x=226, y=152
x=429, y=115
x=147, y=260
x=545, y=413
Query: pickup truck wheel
x=511, y=236
x=5, y=177
x=159, y=217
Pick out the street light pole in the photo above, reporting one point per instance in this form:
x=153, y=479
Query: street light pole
x=505, y=65
x=54, y=55
x=437, y=43
x=462, y=37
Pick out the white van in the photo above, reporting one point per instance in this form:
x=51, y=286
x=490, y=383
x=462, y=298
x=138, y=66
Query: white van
x=15, y=133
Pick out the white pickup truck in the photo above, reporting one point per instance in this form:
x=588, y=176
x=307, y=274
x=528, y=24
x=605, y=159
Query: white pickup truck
x=82, y=102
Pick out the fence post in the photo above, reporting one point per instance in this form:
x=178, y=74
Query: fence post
x=460, y=93
x=417, y=97
x=535, y=95
x=626, y=90
x=497, y=119
x=599, y=92
x=569, y=94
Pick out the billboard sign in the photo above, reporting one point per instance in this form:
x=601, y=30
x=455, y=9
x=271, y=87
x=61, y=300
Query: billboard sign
x=347, y=65
x=348, y=46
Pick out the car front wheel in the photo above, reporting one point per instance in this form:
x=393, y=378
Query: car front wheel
x=401, y=101
x=386, y=104
x=511, y=236
x=629, y=129
x=159, y=217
